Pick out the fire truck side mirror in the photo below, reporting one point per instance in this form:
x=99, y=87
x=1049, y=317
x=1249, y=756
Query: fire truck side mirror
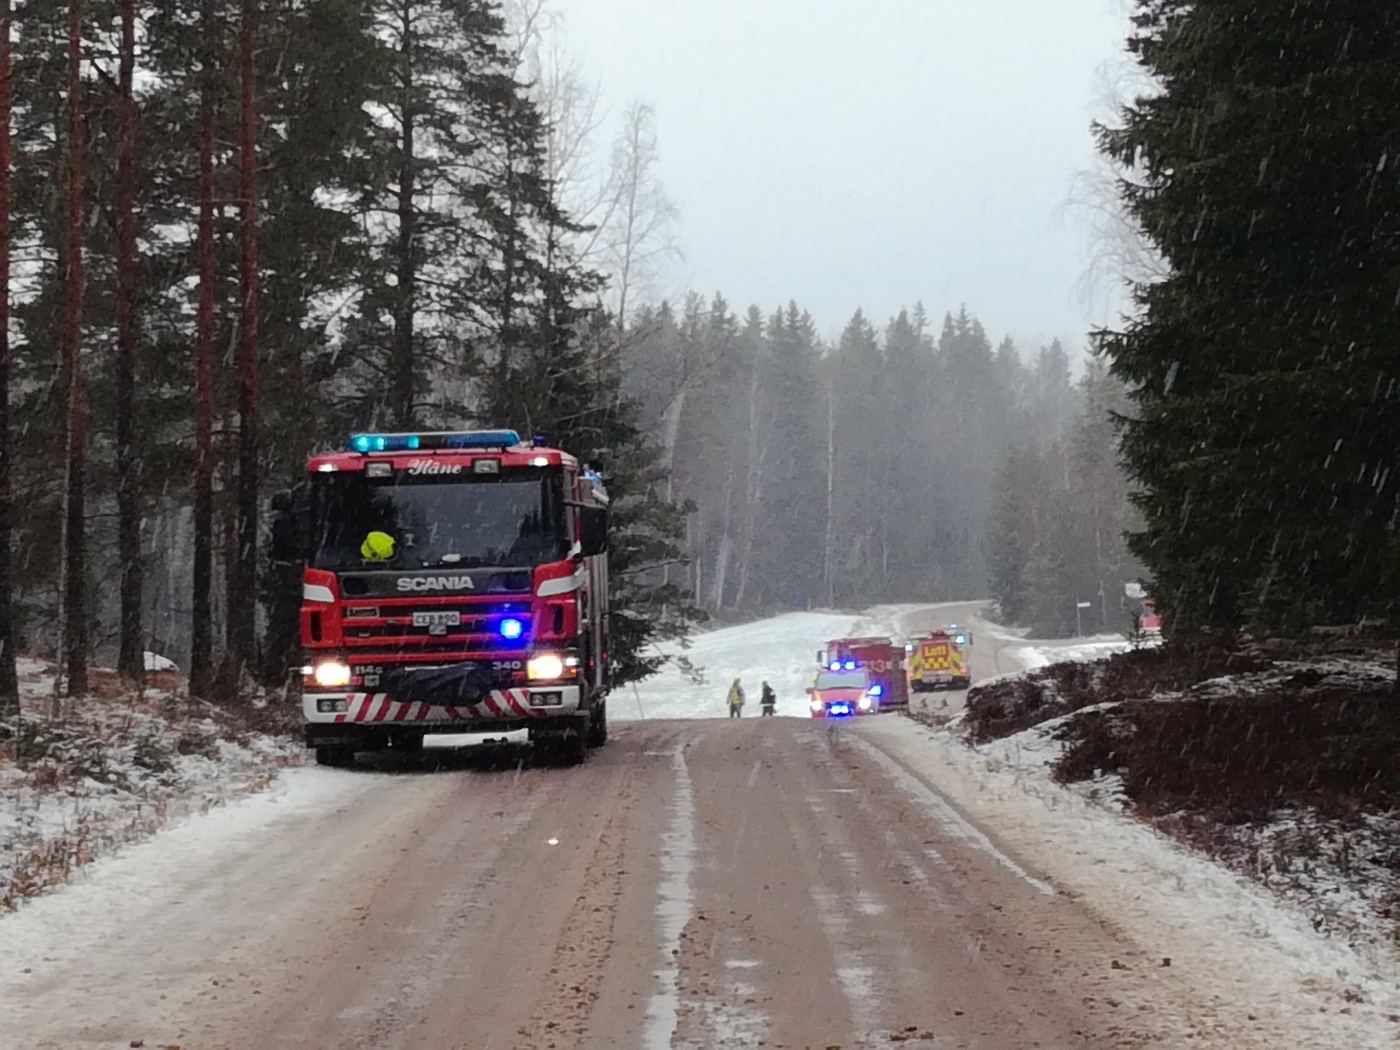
x=593, y=530
x=286, y=549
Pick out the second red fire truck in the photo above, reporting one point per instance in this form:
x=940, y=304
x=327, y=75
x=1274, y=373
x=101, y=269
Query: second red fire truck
x=880, y=658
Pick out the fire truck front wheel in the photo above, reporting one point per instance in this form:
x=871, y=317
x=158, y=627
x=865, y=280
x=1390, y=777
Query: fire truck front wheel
x=562, y=740
x=598, y=725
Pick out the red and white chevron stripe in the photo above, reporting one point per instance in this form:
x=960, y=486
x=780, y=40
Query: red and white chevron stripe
x=499, y=703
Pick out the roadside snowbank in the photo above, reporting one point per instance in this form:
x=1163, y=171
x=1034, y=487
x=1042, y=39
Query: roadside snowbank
x=111, y=770
x=1265, y=966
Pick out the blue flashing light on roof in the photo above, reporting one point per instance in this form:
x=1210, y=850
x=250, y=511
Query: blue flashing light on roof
x=961, y=639
x=836, y=666
x=511, y=629
x=367, y=443
x=482, y=439
x=850, y=665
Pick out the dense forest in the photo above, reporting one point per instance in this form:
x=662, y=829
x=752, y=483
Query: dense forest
x=912, y=462
x=234, y=231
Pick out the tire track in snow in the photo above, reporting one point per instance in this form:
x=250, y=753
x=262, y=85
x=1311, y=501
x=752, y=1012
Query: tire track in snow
x=675, y=903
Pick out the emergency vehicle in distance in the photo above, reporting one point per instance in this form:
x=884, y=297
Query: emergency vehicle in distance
x=880, y=658
x=938, y=660
x=452, y=582
x=844, y=690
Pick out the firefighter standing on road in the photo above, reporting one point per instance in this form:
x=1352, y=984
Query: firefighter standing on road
x=736, y=699
x=769, y=700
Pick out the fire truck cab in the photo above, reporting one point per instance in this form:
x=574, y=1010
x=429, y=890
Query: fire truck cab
x=452, y=582
x=880, y=658
x=938, y=660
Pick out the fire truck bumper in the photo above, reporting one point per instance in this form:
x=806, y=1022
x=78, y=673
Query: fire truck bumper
x=333, y=718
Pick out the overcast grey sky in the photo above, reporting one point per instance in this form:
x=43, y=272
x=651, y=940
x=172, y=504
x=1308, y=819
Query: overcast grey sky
x=870, y=153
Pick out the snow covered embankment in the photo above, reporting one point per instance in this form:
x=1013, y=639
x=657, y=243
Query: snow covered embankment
x=113, y=769
x=1263, y=787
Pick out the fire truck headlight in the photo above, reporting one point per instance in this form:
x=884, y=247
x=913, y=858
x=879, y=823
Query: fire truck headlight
x=545, y=666
x=817, y=705
x=865, y=703
x=332, y=674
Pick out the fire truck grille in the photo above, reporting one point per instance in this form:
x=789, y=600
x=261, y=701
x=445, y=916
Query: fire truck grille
x=450, y=625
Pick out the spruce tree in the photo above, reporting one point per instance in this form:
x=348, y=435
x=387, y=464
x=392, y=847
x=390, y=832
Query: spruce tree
x=1262, y=367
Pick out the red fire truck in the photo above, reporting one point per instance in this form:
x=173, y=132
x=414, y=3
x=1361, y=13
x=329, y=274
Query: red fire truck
x=452, y=582
x=880, y=658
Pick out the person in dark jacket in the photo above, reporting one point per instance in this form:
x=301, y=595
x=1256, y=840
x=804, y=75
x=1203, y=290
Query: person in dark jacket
x=769, y=699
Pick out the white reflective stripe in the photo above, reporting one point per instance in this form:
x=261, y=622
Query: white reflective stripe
x=564, y=586
x=315, y=592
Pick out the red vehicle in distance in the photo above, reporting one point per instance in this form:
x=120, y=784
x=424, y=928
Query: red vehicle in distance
x=880, y=658
x=844, y=693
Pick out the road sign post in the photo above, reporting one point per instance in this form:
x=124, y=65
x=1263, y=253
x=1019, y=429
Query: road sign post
x=1079, y=618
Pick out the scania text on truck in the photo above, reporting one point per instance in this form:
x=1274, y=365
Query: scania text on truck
x=880, y=658
x=452, y=582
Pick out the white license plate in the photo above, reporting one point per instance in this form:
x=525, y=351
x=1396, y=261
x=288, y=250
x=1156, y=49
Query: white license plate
x=437, y=619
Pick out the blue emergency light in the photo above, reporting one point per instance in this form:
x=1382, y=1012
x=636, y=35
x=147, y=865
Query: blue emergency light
x=839, y=710
x=961, y=639
x=511, y=629
x=876, y=689
x=366, y=443
x=850, y=665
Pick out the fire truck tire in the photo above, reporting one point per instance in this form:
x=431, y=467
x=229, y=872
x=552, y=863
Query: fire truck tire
x=335, y=757
x=565, y=745
x=598, y=725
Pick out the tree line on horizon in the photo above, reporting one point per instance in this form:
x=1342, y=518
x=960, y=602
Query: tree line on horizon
x=909, y=463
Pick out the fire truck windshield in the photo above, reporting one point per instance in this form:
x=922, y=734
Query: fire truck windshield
x=509, y=520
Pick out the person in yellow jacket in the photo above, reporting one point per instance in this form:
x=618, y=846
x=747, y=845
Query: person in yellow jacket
x=736, y=700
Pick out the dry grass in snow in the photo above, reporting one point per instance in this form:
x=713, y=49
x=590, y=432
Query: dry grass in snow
x=80, y=778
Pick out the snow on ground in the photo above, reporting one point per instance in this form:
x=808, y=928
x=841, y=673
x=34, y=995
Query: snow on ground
x=109, y=771
x=1256, y=954
x=782, y=651
x=1035, y=655
x=60, y=928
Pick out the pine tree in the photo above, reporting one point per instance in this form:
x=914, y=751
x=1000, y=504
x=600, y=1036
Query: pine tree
x=75, y=609
x=202, y=574
x=9, y=686
x=130, y=659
